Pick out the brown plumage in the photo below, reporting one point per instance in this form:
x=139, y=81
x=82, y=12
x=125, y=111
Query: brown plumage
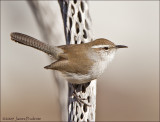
x=80, y=63
x=74, y=58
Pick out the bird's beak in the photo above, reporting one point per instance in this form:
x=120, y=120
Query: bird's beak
x=121, y=46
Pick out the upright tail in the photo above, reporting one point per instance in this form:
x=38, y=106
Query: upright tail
x=32, y=42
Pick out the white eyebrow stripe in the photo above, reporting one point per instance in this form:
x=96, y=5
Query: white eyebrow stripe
x=100, y=46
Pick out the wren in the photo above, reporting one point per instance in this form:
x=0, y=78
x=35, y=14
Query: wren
x=79, y=63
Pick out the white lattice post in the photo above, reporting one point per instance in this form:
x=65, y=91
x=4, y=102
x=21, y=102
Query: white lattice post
x=77, y=25
x=46, y=16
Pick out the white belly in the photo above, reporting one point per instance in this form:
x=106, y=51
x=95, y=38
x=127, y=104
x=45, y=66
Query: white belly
x=94, y=73
x=77, y=78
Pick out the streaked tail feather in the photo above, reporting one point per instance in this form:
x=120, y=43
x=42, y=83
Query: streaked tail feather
x=32, y=42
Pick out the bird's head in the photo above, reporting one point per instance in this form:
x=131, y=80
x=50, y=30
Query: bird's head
x=103, y=49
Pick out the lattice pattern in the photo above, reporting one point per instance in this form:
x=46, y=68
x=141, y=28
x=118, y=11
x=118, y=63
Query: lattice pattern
x=78, y=22
x=77, y=25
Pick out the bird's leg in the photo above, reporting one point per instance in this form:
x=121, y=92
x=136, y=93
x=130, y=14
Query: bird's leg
x=80, y=100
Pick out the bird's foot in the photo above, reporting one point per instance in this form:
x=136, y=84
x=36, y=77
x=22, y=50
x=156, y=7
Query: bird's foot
x=80, y=100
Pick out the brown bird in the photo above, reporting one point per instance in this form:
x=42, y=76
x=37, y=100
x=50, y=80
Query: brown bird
x=79, y=63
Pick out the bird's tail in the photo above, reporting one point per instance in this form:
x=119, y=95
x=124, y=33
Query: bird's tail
x=32, y=42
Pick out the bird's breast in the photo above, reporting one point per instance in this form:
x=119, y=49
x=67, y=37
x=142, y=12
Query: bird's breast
x=98, y=68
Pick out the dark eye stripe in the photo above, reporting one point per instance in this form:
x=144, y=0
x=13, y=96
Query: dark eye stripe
x=105, y=48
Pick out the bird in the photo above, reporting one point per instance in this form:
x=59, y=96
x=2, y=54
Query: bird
x=79, y=63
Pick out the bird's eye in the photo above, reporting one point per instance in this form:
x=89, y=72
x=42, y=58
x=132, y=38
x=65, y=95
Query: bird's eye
x=106, y=48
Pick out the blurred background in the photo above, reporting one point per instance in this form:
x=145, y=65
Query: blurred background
x=127, y=91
